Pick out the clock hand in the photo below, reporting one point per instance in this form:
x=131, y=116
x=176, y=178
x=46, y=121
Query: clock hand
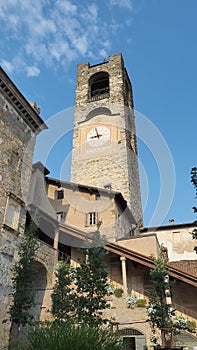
x=97, y=134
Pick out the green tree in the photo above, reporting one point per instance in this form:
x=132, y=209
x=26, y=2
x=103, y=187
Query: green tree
x=91, y=282
x=63, y=296
x=194, y=181
x=23, y=271
x=159, y=311
x=81, y=292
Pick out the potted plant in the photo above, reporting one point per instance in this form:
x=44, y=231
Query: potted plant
x=118, y=292
x=191, y=326
x=141, y=302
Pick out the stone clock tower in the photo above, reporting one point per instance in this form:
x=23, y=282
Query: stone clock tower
x=104, y=141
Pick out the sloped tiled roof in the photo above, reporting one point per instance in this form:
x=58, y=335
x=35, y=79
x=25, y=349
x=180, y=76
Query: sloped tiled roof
x=187, y=266
x=176, y=269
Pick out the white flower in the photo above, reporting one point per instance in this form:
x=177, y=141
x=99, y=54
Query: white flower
x=151, y=309
x=131, y=301
x=180, y=322
x=110, y=289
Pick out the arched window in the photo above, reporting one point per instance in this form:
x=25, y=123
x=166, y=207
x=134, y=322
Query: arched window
x=99, y=86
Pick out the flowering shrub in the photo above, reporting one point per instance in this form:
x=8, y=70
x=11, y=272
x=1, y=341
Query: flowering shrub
x=151, y=310
x=110, y=289
x=131, y=301
x=180, y=322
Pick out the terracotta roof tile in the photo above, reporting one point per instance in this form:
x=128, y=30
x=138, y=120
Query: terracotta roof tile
x=187, y=266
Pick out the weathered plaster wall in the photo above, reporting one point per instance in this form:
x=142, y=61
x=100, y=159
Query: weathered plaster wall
x=146, y=245
x=179, y=243
x=76, y=204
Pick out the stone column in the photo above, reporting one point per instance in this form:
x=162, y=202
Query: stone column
x=124, y=273
x=56, y=239
x=55, y=245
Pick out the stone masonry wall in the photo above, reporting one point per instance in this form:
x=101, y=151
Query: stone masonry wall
x=16, y=150
x=119, y=168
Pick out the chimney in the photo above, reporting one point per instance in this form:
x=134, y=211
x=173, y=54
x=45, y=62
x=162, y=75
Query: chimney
x=108, y=187
x=171, y=221
x=34, y=105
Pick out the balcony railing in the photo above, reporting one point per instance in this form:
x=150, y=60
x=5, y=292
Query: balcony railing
x=99, y=94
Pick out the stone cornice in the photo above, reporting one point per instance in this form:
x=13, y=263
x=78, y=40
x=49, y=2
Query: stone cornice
x=20, y=104
x=15, y=197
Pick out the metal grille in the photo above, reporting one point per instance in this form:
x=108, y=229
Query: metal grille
x=129, y=331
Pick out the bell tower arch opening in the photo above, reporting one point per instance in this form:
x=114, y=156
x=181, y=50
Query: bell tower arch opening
x=99, y=85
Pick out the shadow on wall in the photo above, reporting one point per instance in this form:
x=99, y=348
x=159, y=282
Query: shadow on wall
x=39, y=285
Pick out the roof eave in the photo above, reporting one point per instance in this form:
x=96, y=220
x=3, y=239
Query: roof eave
x=20, y=104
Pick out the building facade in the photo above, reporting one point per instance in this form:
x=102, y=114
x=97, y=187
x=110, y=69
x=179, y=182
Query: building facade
x=19, y=125
x=105, y=188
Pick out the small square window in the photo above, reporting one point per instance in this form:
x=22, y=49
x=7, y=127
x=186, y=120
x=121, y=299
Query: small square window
x=97, y=197
x=60, y=194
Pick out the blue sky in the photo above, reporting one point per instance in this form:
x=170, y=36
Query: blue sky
x=43, y=41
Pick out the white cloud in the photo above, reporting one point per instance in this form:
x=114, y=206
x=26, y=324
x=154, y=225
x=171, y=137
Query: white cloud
x=93, y=10
x=7, y=66
x=81, y=44
x=103, y=54
x=32, y=71
x=66, y=7
x=122, y=3
x=54, y=32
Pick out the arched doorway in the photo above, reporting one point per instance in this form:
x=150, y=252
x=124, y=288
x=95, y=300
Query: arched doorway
x=39, y=284
x=133, y=339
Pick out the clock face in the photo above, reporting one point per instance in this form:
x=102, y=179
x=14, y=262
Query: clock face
x=98, y=136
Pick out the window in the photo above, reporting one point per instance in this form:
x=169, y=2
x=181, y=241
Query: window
x=99, y=85
x=13, y=214
x=92, y=218
x=60, y=217
x=60, y=194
